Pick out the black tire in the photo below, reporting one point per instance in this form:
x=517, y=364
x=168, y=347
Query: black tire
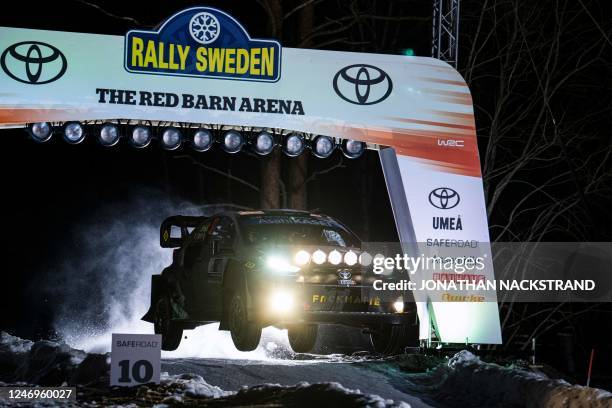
x=171, y=332
x=245, y=334
x=390, y=339
x=303, y=337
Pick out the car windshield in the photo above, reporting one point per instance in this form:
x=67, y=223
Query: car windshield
x=295, y=230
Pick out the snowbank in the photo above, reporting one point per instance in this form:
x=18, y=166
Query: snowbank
x=48, y=363
x=468, y=381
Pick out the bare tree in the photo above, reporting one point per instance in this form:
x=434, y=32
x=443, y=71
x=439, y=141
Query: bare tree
x=545, y=165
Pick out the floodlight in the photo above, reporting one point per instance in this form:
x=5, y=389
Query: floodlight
x=171, y=138
x=353, y=148
x=40, y=131
x=202, y=140
x=141, y=137
x=323, y=146
x=293, y=145
x=74, y=132
x=232, y=141
x=109, y=134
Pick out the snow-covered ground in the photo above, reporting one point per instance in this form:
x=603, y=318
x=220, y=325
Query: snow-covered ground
x=463, y=380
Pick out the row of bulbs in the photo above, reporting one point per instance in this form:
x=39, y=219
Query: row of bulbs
x=201, y=139
x=335, y=257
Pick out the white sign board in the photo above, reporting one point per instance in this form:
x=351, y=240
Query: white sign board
x=135, y=359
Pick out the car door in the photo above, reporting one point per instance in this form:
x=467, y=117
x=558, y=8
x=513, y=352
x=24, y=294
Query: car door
x=223, y=237
x=195, y=265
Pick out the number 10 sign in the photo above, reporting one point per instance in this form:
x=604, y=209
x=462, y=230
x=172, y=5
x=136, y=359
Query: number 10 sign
x=135, y=359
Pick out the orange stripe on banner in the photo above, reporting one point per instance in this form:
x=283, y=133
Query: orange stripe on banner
x=443, y=81
x=440, y=67
x=15, y=116
x=432, y=123
x=467, y=118
x=424, y=146
x=451, y=94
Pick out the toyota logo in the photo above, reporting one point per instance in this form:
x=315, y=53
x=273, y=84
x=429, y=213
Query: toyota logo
x=344, y=274
x=362, y=84
x=33, y=62
x=444, y=198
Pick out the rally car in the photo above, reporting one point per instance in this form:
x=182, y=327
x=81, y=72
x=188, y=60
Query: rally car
x=286, y=268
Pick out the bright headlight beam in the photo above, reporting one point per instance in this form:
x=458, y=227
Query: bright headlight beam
x=398, y=306
x=280, y=264
x=281, y=301
x=334, y=257
x=302, y=257
x=318, y=257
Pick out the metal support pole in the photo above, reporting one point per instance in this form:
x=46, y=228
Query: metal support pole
x=445, y=34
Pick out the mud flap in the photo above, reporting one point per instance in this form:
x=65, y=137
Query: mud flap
x=156, y=290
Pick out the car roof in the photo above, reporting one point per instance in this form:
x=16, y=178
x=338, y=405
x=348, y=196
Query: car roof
x=270, y=212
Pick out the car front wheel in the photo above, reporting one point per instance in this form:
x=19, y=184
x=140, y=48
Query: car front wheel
x=245, y=334
x=303, y=337
x=170, y=332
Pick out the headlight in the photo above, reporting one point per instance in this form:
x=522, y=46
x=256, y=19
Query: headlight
x=318, y=257
x=334, y=257
x=280, y=264
x=281, y=301
x=350, y=258
x=365, y=259
x=302, y=257
x=398, y=306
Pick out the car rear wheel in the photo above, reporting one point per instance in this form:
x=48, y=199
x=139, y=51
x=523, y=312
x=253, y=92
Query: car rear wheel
x=171, y=333
x=303, y=337
x=245, y=334
x=391, y=339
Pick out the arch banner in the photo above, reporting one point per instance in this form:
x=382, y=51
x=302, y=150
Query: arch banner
x=201, y=66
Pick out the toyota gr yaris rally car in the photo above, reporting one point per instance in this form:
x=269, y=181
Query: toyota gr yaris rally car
x=252, y=269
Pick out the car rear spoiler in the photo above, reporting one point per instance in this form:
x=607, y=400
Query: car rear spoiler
x=174, y=230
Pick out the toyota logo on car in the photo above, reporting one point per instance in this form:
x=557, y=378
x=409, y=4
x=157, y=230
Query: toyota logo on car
x=33, y=62
x=444, y=198
x=362, y=84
